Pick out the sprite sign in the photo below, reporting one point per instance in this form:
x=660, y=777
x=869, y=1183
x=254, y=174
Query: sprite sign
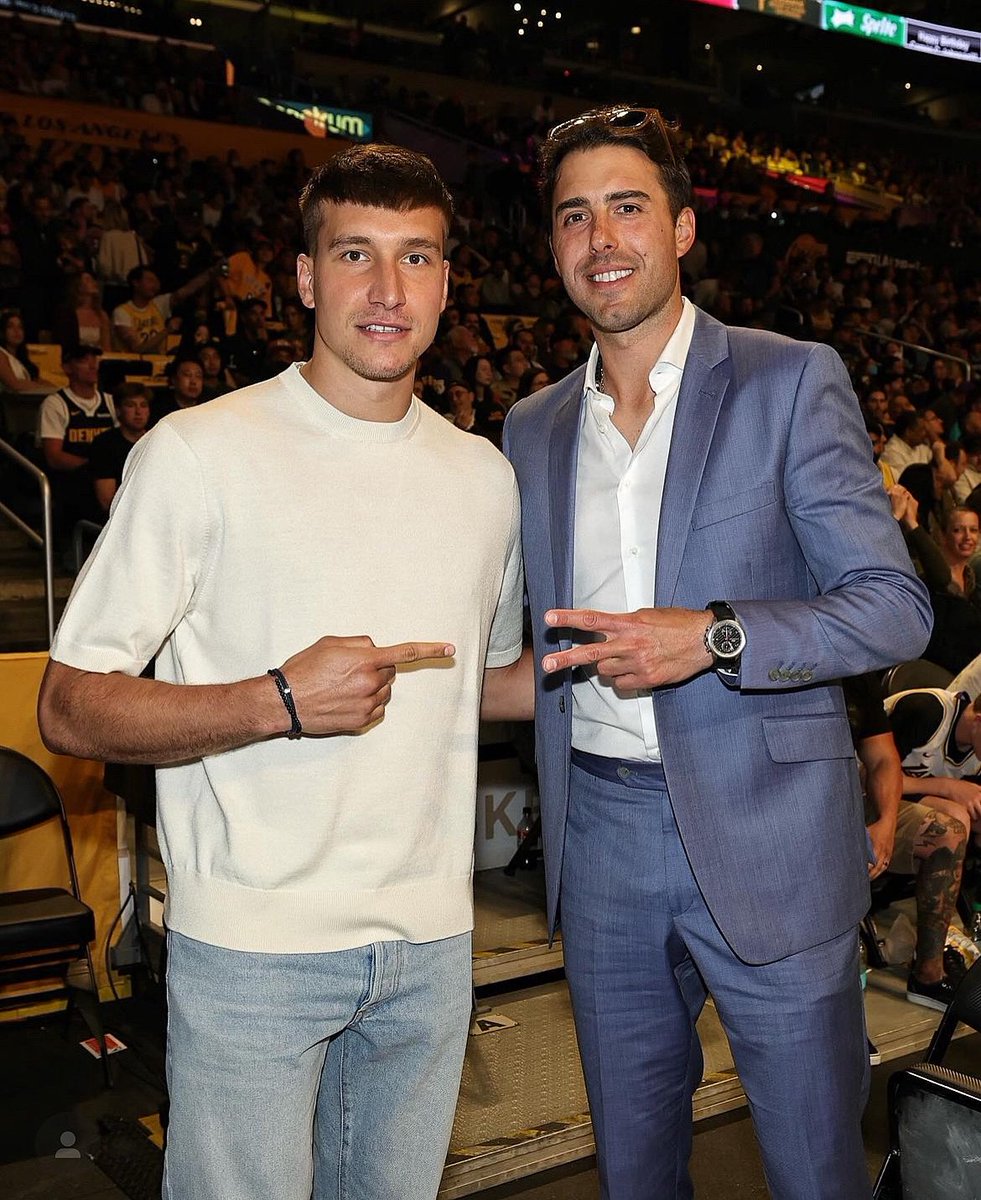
x=863, y=22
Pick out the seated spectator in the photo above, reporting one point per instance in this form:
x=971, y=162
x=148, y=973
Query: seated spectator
x=143, y=324
x=909, y=443
x=82, y=318
x=245, y=353
x=247, y=278
x=489, y=412
x=69, y=421
x=511, y=365
x=186, y=384
x=946, y=570
x=111, y=448
x=17, y=372
x=938, y=735
x=457, y=347
x=520, y=337
x=297, y=326
x=533, y=380
x=280, y=354
x=495, y=287
x=218, y=380
x=120, y=251
x=971, y=475
x=951, y=570
x=563, y=353
x=460, y=407
x=877, y=436
x=472, y=320
x=876, y=406
x=927, y=485
x=908, y=837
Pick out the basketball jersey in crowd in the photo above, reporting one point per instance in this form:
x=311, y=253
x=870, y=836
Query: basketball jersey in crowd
x=924, y=722
x=84, y=429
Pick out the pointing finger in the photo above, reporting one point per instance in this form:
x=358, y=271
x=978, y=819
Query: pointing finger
x=409, y=652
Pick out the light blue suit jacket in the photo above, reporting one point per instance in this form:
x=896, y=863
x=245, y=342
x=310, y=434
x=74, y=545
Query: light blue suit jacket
x=772, y=502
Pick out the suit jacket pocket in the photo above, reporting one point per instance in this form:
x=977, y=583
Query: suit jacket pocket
x=808, y=738
x=713, y=511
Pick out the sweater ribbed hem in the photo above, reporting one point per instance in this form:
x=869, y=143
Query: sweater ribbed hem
x=308, y=921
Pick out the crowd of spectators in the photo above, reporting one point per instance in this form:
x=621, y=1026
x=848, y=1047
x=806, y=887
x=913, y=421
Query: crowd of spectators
x=148, y=252
x=117, y=256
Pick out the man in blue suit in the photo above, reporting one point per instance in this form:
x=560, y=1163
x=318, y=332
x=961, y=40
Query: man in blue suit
x=708, y=549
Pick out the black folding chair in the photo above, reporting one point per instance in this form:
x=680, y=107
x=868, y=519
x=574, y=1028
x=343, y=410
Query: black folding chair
x=935, y=1081
x=44, y=931
x=918, y=673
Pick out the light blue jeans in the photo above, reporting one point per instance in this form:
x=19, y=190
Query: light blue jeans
x=333, y=1076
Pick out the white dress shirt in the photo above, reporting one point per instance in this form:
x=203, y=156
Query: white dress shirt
x=618, y=507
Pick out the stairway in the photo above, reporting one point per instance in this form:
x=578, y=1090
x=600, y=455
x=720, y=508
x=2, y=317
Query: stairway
x=23, y=620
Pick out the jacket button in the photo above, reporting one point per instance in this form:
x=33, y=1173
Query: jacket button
x=784, y=674
x=795, y=676
x=807, y=676
x=774, y=674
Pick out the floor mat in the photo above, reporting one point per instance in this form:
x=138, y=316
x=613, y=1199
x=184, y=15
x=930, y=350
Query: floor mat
x=127, y=1155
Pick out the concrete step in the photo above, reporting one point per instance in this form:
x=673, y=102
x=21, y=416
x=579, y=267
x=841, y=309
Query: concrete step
x=23, y=613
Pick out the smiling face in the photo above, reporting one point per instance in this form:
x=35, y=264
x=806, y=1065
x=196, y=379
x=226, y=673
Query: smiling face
x=962, y=534
x=615, y=243
x=377, y=285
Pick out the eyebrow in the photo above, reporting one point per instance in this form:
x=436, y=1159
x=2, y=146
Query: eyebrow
x=359, y=239
x=609, y=198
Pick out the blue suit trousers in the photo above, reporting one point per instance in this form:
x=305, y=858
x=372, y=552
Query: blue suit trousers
x=641, y=952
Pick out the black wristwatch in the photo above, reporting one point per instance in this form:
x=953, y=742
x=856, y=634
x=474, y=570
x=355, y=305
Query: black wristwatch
x=725, y=640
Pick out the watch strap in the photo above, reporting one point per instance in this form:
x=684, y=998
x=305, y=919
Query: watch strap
x=728, y=669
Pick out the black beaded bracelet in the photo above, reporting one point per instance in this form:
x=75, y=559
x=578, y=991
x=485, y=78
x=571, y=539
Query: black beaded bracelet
x=286, y=695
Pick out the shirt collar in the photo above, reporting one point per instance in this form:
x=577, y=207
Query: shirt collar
x=673, y=356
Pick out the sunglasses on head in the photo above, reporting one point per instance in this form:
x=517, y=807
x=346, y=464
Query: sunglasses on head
x=621, y=122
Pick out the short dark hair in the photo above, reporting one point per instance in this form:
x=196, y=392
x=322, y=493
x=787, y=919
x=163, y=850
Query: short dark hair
x=130, y=391
x=612, y=126
x=906, y=421
x=373, y=176
x=178, y=361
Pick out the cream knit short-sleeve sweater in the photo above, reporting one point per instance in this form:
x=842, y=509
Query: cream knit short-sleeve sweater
x=245, y=530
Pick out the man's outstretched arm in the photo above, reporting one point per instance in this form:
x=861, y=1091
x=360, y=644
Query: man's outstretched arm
x=339, y=685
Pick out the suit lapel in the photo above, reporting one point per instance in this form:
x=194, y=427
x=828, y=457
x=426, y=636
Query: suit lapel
x=703, y=387
x=563, y=450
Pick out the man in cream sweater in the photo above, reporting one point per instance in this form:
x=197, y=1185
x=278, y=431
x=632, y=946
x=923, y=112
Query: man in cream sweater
x=328, y=575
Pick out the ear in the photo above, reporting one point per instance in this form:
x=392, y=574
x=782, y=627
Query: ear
x=304, y=279
x=446, y=284
x=684, y=231
x=552, y=252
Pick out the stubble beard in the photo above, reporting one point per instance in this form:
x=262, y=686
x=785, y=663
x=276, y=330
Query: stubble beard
x=635, y=312
x=374, y=372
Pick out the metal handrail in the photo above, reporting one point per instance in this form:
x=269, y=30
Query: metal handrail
x=45, y=541
x=884, y=337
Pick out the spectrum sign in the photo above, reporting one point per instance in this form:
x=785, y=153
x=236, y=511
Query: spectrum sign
x=325, y=122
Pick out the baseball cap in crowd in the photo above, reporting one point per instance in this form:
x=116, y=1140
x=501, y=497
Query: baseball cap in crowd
x=76, y=350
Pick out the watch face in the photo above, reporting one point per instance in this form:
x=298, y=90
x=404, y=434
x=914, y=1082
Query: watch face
x=727, y=639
